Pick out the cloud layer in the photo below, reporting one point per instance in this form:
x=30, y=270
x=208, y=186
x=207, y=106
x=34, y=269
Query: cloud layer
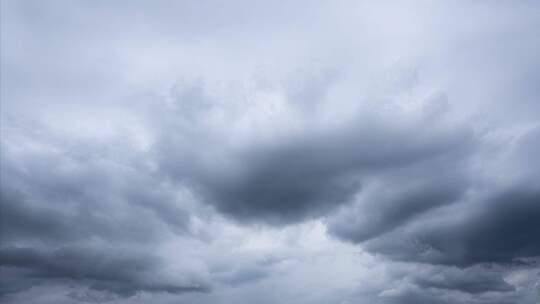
x=207, y=153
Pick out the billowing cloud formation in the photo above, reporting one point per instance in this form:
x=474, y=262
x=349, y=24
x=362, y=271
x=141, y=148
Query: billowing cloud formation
x=114, y=272
x=311, y=165
x=63, y=210
x=211, y=153
x=502, y=231
x=495, y=222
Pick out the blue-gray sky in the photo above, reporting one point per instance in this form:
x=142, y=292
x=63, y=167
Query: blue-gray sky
x=271, y=152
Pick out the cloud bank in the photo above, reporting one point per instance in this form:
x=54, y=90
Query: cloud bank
x=309, y=152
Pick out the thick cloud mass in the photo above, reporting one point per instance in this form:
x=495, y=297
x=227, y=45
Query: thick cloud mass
x=121, y=274
x=495, y=222
x=288, y=177
x=503, y=230
x=252, y=151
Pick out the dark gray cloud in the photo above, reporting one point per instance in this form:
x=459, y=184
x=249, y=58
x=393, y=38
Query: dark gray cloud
x=472, y=280
x=289, y=178
x=71, y=190
x=66, y=209
x=497, y=224
x=208, y=153
x=124, y=273
x=394, y=198
x=502, y=230
x=422, y=283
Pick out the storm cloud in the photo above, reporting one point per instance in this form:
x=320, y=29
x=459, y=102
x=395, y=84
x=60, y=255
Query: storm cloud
x=121, y=274
x=311, y=170
x=306, y=152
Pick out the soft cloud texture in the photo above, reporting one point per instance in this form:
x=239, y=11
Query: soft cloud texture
x=306, y=152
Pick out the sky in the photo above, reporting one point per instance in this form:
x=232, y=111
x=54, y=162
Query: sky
x=306, y=152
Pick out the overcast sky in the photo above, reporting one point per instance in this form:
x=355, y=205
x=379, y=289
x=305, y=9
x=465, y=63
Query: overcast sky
x=302, y=152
